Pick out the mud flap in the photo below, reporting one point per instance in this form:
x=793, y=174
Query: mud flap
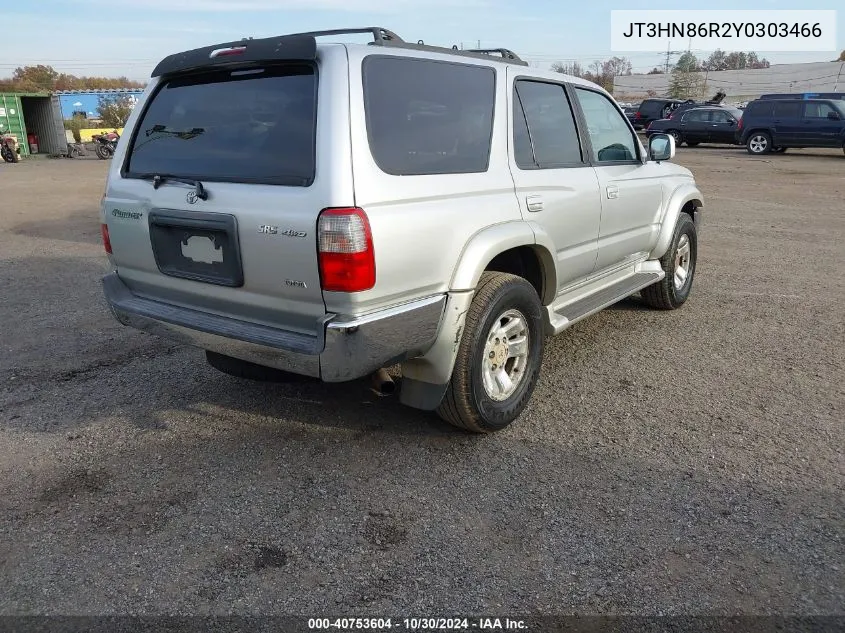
x=424, y=379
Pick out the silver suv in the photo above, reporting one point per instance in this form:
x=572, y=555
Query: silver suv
x=332, y=209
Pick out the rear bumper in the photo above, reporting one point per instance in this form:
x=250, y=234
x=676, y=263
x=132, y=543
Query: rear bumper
x=345, y=348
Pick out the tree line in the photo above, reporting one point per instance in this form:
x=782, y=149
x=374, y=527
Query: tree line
x=603, y=72
x=43, y=78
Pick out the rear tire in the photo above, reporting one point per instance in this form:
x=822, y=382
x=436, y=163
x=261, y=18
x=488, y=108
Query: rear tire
x=679, y=264
x=499, y=356
x=251, y=371
x=759, y=143
x=679, y=138
x=103, y=153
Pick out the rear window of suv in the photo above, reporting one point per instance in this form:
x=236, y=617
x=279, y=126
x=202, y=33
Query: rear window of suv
x=254, y=126
x=428, y=117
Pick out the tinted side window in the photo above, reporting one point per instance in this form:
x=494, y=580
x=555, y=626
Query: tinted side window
x=694, y=116
x=788, y=109
x=759, y=108
x=610, y=135
x=546, y=135
x=717, y=116
x=428, y=117
x=818, y=110
x=650, y=107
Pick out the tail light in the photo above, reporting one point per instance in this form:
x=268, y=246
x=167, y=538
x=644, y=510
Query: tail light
x=345, y=246
x=637, y=115
x=104, y=230
x=739, y=124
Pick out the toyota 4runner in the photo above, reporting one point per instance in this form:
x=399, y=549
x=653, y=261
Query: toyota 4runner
x=332, y=209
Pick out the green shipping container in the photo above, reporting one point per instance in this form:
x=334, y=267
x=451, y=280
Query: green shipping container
x=11, y=120
x=22, y=114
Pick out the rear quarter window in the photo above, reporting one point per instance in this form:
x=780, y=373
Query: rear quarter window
x=255, y=125
x=427, y=116
x=758, y=109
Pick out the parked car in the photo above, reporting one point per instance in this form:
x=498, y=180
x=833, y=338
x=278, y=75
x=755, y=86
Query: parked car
x=805, y=95
x=716, y=101
x=708, y=124
x=653, y=109
x=777, y=124
x=475, y=226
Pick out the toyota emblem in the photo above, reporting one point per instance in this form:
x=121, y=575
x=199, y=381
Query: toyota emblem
x=191, y=197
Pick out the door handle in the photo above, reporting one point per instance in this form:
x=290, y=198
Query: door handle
x=612, y=192
x=534, y=203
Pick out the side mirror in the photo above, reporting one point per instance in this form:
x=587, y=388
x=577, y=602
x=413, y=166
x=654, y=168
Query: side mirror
x=661, y=147
x=833, y=116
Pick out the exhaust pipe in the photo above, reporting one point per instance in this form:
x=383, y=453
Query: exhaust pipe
x=383, y=384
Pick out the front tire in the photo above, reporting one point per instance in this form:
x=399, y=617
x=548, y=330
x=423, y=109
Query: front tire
x=499, y=355
x=103, y=152
x=759, y=143
x=679, y=264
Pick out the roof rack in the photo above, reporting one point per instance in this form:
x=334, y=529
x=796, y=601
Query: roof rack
x=302, y=46
x=380, y=35
x=504, y=52
x=386, y=37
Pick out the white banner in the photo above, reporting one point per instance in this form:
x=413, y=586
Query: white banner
x=757, y=30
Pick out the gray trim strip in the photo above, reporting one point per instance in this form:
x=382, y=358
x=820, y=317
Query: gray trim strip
x=121, y=299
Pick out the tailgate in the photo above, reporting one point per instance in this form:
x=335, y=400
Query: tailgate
x=216, y=202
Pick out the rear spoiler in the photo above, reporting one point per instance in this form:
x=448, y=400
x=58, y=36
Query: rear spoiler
x=301, y=47
x=285, y=47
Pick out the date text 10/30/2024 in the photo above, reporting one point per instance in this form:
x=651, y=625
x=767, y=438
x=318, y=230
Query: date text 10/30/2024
x=416, y=624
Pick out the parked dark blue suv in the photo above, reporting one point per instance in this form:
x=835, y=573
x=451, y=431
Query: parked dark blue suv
x=776, y=124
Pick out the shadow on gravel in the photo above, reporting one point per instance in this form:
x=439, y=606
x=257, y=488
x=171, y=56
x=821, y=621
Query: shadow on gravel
x=82, y=225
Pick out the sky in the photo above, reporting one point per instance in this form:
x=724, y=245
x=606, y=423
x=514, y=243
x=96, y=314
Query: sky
x=128, y=37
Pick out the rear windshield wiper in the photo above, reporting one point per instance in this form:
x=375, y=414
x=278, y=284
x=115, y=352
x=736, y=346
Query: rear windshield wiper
x=159, y=179
x=183, y=134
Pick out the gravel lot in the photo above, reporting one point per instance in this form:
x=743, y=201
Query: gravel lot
x=670, y=463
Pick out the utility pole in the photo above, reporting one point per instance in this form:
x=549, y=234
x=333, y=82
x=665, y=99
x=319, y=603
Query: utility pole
x=669, y=53
x=836, y=84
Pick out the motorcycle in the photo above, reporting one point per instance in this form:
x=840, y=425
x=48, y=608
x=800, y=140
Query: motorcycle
x=7, y=149
x=106, y=144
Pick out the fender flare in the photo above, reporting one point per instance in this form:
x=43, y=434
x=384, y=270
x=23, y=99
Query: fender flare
x=677, y=200
x=424, y=379
x=482, y=247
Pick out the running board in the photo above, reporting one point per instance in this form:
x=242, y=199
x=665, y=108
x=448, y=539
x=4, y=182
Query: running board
x=562, y=314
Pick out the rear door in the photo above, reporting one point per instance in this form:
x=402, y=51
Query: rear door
x=694, y=126
x=787, y=127
x=248, y=249
x=722, y=127
x=555, y=184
